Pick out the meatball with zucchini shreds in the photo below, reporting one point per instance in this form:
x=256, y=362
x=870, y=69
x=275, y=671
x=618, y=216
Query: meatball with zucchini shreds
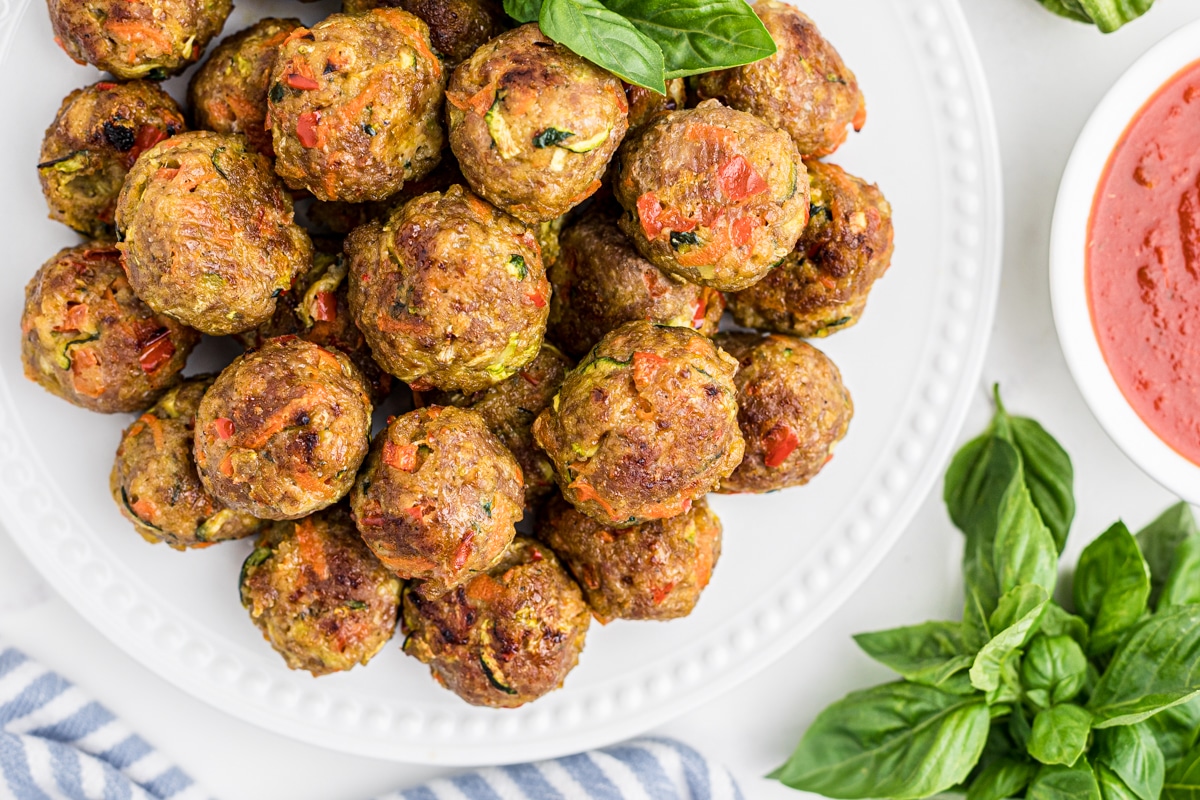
x=713, y=195
x=509, y=409
x=95, y=138
x=86, y=337
x=354, y=104
x=318, y=595
x=207, y=233
x=154, y=480
x=449, y=292
x=822, y=286
x=644, y=426
x=655, y=570
x=600, y=281
x=228, y=94
x=533, y=125
x=457, y=28
x=150, y=39
x=438, y=497
x=804, y=89
x=793, y=409
x=507, y=636
x=283, y=430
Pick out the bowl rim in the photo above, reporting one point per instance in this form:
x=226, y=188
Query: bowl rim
x=1068, y=240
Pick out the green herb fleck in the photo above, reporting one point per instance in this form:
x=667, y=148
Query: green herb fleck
x=551, y=137
x=277, y=93
x=516, y=267
x=679, y=239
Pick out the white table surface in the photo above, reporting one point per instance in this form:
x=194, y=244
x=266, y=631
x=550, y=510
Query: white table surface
x=1046, y=75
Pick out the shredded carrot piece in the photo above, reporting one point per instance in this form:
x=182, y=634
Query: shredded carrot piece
x=144, y=509
x=419, y=43
x=400, y=456
x=407, y=566
x=156, y=430
x=226, y=465
x=138, y=31
x=310, y=548
x=310, y=483
x=584, y=492
x=283, y=418
x=480, y=207
x=463, y=551
x=478, y=103
x=484, y=589
x=303, y=82
x=860, y=117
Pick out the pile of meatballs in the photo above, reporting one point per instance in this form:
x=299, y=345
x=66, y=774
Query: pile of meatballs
x=539, y=253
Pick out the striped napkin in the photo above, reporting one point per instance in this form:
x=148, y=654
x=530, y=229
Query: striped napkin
x=57, y=742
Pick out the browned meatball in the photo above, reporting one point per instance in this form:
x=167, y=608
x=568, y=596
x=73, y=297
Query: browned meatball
x=284, y=429
x=228, y=94
x=450, y=292
x=645, y=105
x=509, y=409
x=713, y=195
x=804, y=89
x=318, y=595
x=438, y=497
x=822, y=286
x=655, y=570
x=354, y=104
x=534, y=125
x=507, y=636
x=600, y=282
x=86, y=337
x=154, y=480
x=207, y=232
x=317, y=308
x=96, y=136
x=793, y=409
x=341, y=218
x=137, y=38
x=644, y=426
x=456, y=27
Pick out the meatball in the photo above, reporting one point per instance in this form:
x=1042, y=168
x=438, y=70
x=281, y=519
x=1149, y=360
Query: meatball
x=644, y=426
x=96, y=136
x=354, y=104
x=438, y=497
x=341, y=218
x=86, y=337
x=207, y=233
x=137, y=38
x=600, y=282
x=457, y=28
x=793, y=409
x=318, y=595
x=449, y=292
x=284, y=429
x=822, y=286
x=228, y=94
x=317, y=308
x=656, y=570
x=534, y=125
x=509, y=409
x=712, y=195
x=154, y=480
x=645, y=105
x=507, y=636
x=804, y=89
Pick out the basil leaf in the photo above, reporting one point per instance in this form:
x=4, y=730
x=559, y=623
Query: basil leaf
x=1160, y=539
x=1183, y=584
x=1053, y=670
x=605, y=38
x=929, y=653
x=1024, y=551
x=1060, y=734
x=1132, y=754
x=1156, y=667
x=1177, y=729
x=1008, y=689
x=1109, y=15
x=699, y=35
x=1112, y=587
x=1111, y=785
x=1049, y=476
x=523, y=10
x=1001, y=779
x=1183, y=779
x=1064, y=783
x=1016, y=619
x=899, y=740
x=1071, y=9
x=1019, y=728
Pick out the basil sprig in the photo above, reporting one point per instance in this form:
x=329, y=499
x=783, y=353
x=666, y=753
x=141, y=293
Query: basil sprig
x=1107, y=15
x=1023, y=698
x=648, y=42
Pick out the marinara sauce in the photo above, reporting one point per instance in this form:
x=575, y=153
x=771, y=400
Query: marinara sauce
x=1143, y=263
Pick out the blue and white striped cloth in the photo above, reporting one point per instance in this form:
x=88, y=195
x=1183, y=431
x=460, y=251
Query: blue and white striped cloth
x=57, y=742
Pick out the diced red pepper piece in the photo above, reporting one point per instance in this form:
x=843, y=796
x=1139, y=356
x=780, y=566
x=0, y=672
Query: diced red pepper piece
x=75, y=317
x=302, y=82
x=779, y=444
x=743, y=230
x=325, y=309
x=156, y=352
x=739, y=179
x=645, y=366
x=400, y=456
x=104, y=86
x=306, y=128
x=655, y=219
x=224, y=427
x=538, y=299
x=660, y=593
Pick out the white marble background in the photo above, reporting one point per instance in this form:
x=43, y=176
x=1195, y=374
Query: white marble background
x=1045, y=75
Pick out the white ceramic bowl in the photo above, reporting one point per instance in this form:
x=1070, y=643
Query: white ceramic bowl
x=1068, y=241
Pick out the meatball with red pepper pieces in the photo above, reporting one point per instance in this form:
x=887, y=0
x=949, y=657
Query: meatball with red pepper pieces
x=438, y=498
x=284, y=429
x=793, y=409
x=507, y=636
x=86, y=337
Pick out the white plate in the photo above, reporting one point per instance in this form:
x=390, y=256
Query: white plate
x=1068, y=262
x=789, y=559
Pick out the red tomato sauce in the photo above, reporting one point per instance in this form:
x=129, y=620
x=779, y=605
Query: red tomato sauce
x=1143, y=263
